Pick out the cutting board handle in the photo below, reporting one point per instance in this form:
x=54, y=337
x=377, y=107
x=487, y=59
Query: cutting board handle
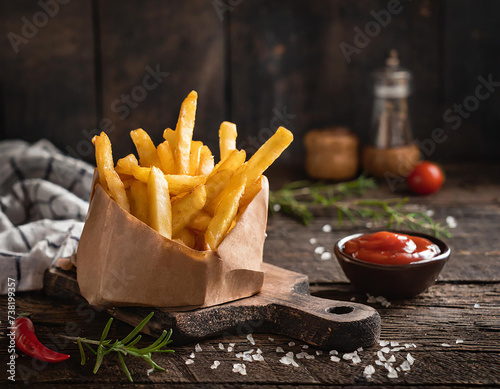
x=327, y=324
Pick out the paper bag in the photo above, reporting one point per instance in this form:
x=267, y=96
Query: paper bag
x=121, y=261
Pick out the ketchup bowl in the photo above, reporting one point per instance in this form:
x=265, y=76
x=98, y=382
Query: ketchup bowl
x=390, y=280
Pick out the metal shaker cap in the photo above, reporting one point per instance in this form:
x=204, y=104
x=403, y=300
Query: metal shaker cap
x=392, y=81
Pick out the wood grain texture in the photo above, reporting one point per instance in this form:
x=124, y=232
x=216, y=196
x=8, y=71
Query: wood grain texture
x=48, y=86
x=185, y=40
x=284, y=307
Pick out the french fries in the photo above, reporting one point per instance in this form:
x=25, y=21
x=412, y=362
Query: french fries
x=175, y=187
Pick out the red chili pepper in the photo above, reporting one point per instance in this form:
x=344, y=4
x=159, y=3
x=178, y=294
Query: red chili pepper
x=27, y=342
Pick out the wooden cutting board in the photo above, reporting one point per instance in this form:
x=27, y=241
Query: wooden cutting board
x=284, y=306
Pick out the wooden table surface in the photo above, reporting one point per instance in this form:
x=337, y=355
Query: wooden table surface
x=452, y=330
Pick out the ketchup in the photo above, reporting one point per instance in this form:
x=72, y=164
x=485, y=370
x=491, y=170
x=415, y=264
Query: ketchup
x=388, y=248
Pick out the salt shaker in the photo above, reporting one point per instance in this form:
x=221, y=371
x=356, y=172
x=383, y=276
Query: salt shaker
x=391, y=151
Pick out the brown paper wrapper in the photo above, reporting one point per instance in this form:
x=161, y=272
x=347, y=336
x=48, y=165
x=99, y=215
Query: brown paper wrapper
x=123, y=262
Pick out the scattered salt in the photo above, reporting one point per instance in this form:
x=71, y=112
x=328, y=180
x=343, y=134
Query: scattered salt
x=429, y=213
x=301, y=355
x=381, y=356
x=353, y=298
x=305, y=347
x=394, y=344
x=250, y=339
x=369, y=225
x=384, y=343
x=215, y=365
x=319, y=352
x=410, y=359
x=319, y=250
x=385, y=350
x=445, y=345
x=221, y=346
x=257, y=357
x=276, y=207
x=189, y=361
x=271, y=339
x=149, y=371
x=360, y=349
x=476, y=305
x=229, y=349
x=380, y=363
x=192, y=355
x=279, y=350
x=291, y=344
x=356, y=359
x=327, y=228
x=313, y=241
x=289, y=354
x=451, y=221
x=259, y=351
x=349, y=356
x=326, y=256
x=395, y=349
x=334, y=352
x=459, y=341
x=392, y=359
x=197, y=348
x=334, y=358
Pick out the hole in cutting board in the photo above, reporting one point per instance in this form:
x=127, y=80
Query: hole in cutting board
x=340, y=310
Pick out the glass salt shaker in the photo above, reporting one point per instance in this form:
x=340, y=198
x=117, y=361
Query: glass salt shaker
x=391, y=151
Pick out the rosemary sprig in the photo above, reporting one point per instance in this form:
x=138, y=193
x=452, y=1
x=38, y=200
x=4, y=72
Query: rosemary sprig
x=298, y=198
x=123, y=347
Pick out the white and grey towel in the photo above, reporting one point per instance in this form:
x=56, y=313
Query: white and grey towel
x=43, y=204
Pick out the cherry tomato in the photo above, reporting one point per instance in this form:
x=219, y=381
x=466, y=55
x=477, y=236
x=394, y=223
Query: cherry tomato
x=425, y=178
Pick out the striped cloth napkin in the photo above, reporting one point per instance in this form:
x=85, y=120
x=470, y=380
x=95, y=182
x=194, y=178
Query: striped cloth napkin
x=43, y=203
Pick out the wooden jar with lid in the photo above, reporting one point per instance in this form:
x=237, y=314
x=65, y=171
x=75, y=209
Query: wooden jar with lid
x=332, y=153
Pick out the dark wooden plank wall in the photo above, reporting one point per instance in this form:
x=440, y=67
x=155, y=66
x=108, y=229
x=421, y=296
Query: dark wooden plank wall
x=258, y=63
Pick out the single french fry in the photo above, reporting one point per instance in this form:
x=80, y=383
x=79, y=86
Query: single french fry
x=184, y=133
x=145, y=148
x=139, y=200
x=187, y=237
x=108, y=177
x=250, y=192
x=231, y=185
x=160, y=211
x=267, y=154
x=216, y=183
x=200, y=222
x=224, y=216
x=232, y=162
x=185, y=209
x=177, y=184
x=194, y=158
x=206, y=161
x=126, y=164
x=166, y=156
x=227, y=139
x=170, y=136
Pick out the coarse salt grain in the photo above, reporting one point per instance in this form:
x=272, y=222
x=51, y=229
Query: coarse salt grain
x=313, y=241
x=380, y=363
x=319, y=352
x=381, y=356
x=250, y=339
x=369, y=225
x=259, y=351
x=459, y=341
x=276, y=207
x=291, y=344
x=385, y=350
x=301, y=355
x=384, y=343
x=327, y=228
x=451, y=221
x=392, y=359
x=271, y=339
x=356, y=359
x=394, y=344
x=369, y=370
x=286, y=360
x=279, y=350
x=149, y=371
x=405, y=366
x=215, y=365
x=232, y=344
x=305, y=347
x=334, y=352
x=395, y=349
x=319, y=250
x=476, y=305
x=229, y=349
x=240, y=368
x=189, y=361
x=197, y=348
x=410, y=359
x=326, y=256
x=392, y=374
x=192, y=355
x=333, y=358
x=221, y=346
x=429, y=213
x=257, y=357
x=445, y=345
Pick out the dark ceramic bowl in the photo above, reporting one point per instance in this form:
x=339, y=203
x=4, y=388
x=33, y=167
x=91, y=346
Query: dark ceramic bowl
x=397, y=281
